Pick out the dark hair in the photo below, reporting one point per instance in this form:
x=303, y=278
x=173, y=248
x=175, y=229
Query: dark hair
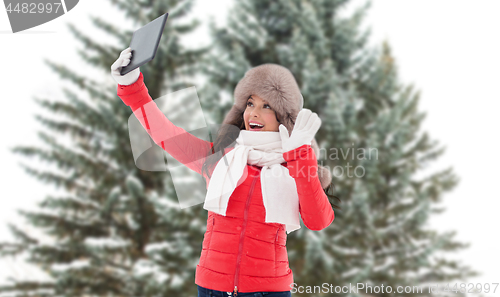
x=329, y=193
x=226, y=136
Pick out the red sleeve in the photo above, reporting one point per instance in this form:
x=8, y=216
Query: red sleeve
x=183, y=146
x=315, y=209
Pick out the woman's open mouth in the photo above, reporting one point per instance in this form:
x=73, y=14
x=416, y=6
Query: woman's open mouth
x=255, y=126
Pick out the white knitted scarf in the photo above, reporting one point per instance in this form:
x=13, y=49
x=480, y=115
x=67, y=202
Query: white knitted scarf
x=279, y=191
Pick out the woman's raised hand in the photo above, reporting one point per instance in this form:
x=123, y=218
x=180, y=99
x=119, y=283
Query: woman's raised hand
x=306, y=126
x=123, y=61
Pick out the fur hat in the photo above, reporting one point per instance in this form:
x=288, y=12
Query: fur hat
x=276, y=85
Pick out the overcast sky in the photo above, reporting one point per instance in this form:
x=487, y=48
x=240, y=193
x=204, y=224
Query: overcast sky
x=447, y=49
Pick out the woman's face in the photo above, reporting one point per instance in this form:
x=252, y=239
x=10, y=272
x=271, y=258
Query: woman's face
x=258, y=111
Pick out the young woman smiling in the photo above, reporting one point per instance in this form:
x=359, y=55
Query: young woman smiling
x=271, y=156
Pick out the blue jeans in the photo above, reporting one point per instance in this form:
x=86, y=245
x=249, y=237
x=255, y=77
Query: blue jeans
x=203, y=292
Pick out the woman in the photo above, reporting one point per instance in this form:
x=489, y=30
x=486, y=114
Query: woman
x=244, y=247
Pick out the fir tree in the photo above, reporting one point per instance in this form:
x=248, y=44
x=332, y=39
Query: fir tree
x=379, y=236
x=118, y=230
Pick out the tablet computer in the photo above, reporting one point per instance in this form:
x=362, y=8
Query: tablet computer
x=144, y=43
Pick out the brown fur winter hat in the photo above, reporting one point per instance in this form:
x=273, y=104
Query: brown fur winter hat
x=276, y=85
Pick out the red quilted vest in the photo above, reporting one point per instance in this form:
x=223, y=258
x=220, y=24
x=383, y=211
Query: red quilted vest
x=241, y=252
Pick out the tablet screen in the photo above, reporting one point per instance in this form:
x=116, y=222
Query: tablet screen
x=144, y=43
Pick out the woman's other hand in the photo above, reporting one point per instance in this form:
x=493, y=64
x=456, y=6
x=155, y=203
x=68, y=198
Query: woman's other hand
x=306, y=126
x=123, y=61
